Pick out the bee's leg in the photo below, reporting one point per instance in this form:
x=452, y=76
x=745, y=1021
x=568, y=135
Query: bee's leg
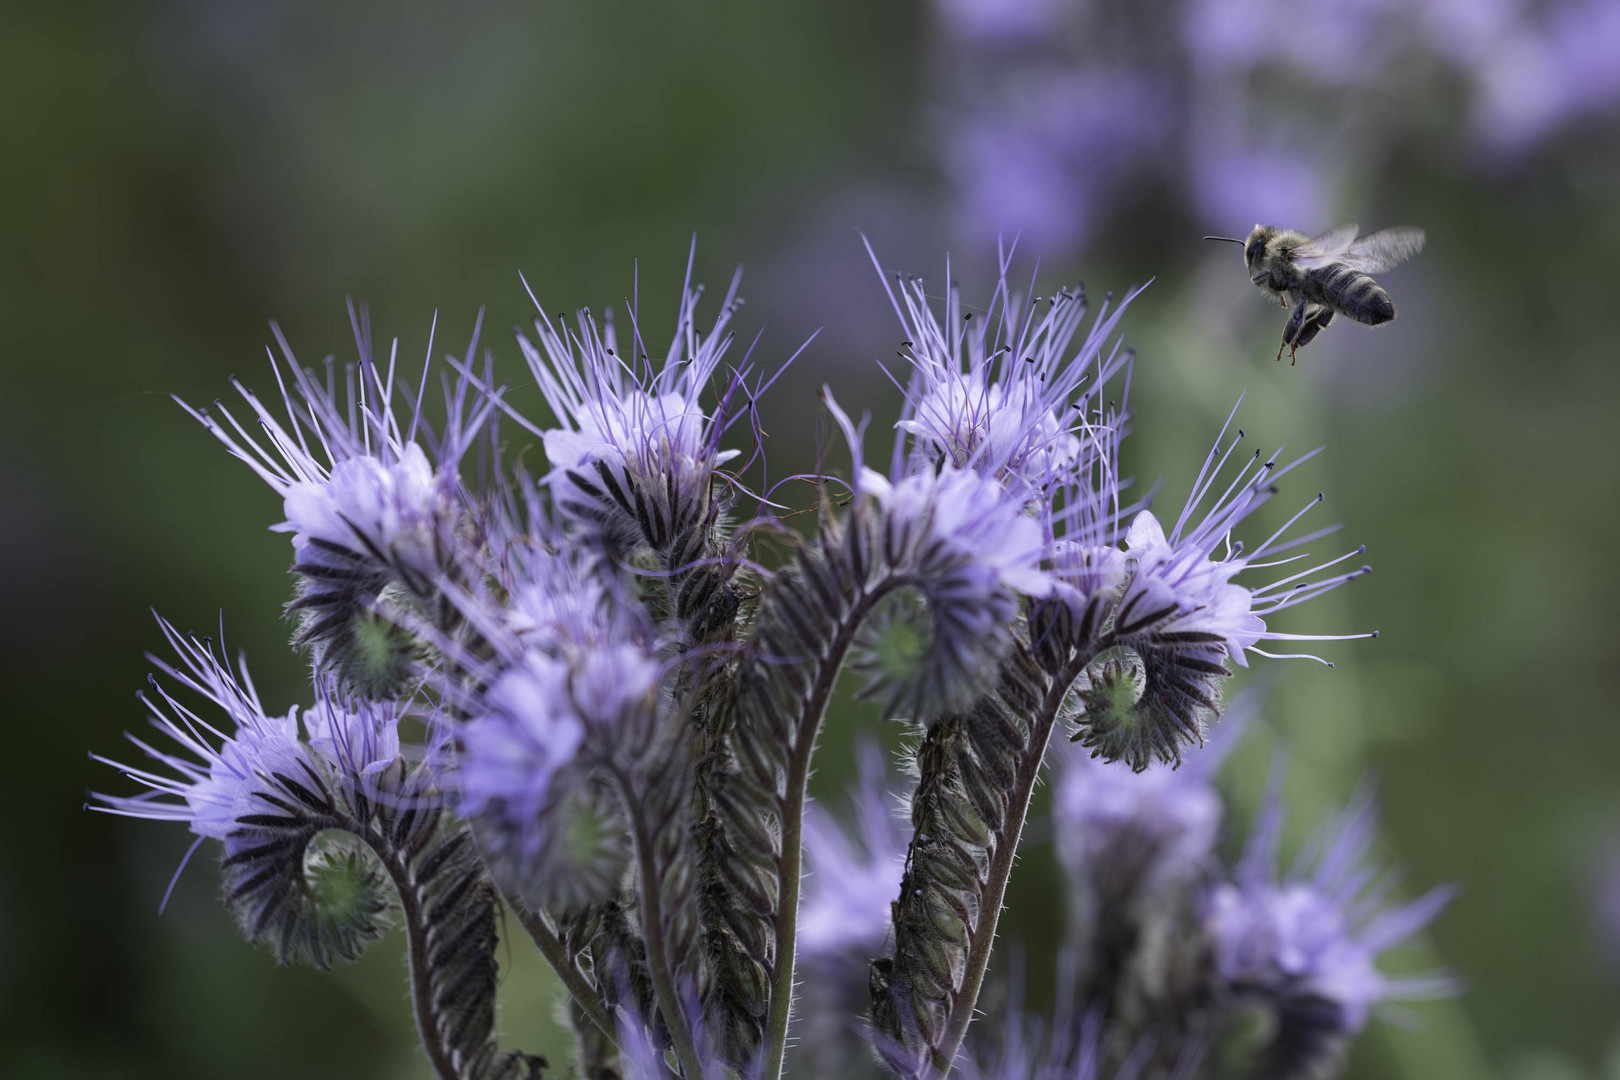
x=1297, y=325
x=1316, y=317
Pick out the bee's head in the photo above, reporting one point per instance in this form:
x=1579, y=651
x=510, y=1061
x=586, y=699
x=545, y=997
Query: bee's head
x=1255, y=246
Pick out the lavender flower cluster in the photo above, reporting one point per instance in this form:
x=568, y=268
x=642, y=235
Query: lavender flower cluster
x=589, y=698
x=1256, y=108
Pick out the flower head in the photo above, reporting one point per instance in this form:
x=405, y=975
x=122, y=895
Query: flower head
x=1003, y=393
x=513, y=749
x=269, y=796
x=1315, y=934
x=1153, y=827
x=372, y=498
x=634, y=452
x=973, y=551
x=573, y=683
x=1177, y=613
x=1181, y=591
x=360, y=737
x=219, y=773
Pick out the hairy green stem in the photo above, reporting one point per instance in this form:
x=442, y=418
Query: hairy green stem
x=416, y=943
x=652, y=930
x=551, y=947
x=1001, y=863
x=792, y=823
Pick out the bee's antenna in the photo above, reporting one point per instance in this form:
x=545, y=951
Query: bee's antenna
x=1228, y=239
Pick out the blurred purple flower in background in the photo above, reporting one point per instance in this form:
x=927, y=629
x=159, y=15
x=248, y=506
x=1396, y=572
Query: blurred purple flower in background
x=1009, y=21
x=1063, y=115
x=854, y=873
x=1315, y=933
x=1163, y=820
x=1042, y=157
x=1602, y=882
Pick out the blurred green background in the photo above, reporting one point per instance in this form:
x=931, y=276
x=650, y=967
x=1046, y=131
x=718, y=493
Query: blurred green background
x=176, y=173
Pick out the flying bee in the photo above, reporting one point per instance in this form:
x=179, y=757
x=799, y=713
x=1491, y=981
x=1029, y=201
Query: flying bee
x=1323, y=275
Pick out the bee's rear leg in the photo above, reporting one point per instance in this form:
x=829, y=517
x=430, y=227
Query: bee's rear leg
x=1297, y=324
x=1303, y=326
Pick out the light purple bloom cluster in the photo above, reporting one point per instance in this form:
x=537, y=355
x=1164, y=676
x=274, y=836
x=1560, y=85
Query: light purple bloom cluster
x=635, y=449
x=1162, y=821
x=582, y=695
x=1163, y=929
x=1316, y=932
x=237, y=776
x=219, y=775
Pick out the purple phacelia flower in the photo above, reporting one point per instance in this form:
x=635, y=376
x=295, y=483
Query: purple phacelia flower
x=635, y=452
x=552, y=607
x=573, y=683
x=1169, y=600
x=854, y=876
x=974, y=551
x=398, y=511
x=1003, y=392
x=969, y=549
x=219, y=775
x=971, y=531
x=1316, y=933
x=361, y=739
x=512, y=750
x=351, y=468
x=1181, y=592
x=552, y=832
x=378, y=524
x=1051, y=149
x=1162, y=821
x=219, y=771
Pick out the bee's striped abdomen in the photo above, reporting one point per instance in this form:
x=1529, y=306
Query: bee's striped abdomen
x=1350, y=291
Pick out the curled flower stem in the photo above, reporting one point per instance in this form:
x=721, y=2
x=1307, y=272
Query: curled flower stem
x=579, y=987
x=652, y=929
x=1001, y=863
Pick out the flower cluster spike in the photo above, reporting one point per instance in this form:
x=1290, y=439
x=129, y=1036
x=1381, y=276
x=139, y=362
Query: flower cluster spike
x=582, y=693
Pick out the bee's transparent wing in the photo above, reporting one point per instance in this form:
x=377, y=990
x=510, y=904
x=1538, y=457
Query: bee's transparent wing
x=1384, y=249
x=1329, y=247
